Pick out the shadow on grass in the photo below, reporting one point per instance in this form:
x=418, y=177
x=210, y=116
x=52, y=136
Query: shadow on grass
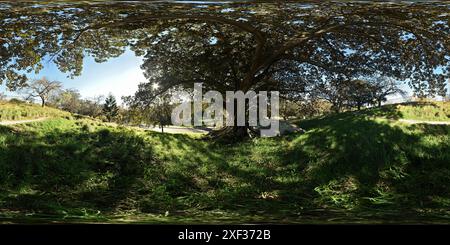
x=356, y=163
x=345, y=162
x=343, y=165
x=73, y=172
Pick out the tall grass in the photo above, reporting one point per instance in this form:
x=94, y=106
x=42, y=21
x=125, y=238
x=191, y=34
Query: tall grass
x=20, y=110
x=432, y=111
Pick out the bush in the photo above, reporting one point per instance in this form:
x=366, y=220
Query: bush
x=17, y=101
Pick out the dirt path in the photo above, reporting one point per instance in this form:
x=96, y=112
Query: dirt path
x=285, y=127
x=4, y=123
x=425, y=122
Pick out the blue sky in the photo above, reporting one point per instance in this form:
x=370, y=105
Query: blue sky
x=119, y=76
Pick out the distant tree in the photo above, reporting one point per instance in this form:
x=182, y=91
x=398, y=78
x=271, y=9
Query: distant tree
x=289, y=109
x=314, y=107
x=335, y=92
x=383, y=87
x=110, y=109
x=41, y=88
x=68, y=100
x=160, y=111
x=2, y=96
x=157, y=111
x=304, y=109
x=127, y=116
x=92, y=107
x=17, y=101
x=132, y=116
x=359, y=93
x=347, y=93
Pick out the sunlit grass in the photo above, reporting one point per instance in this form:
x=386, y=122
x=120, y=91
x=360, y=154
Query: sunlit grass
x=355, y=167
x=432, y=111
x=20, y=111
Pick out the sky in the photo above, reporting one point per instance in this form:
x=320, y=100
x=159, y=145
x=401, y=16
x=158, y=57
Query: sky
x=119, y=76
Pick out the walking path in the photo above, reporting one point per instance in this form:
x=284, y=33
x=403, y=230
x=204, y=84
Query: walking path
x=425, y=122
x=4, y=123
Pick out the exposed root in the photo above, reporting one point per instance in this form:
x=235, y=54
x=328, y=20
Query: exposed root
x=232, y=134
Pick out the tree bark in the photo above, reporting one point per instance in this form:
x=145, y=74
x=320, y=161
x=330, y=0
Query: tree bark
x=230, y=134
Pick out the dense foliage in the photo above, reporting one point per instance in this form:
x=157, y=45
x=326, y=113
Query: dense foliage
x=292, y=47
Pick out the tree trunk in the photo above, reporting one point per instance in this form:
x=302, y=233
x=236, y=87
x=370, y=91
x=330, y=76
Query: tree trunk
x=337, y=107
x=230, y=134
x=43, y=102
x=337, y=110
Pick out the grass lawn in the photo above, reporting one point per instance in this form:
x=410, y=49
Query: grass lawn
x=13, y=111
x=353, y=167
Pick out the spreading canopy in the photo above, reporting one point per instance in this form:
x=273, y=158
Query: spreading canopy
x=234, y=46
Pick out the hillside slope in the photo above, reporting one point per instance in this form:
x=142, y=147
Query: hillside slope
x=358, y=167
x=420, y=111
x=16, y=110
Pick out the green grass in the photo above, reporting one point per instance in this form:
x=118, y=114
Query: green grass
x=436, y=111
x=13, y=111
x=354, y=167
x=421, y=111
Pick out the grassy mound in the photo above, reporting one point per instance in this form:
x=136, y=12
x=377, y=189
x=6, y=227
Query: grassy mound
x=350, y=167
x=17, y=110
x=436, y=111
x=421, y=111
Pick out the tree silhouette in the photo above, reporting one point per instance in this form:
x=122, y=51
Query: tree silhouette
x=383, y=87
